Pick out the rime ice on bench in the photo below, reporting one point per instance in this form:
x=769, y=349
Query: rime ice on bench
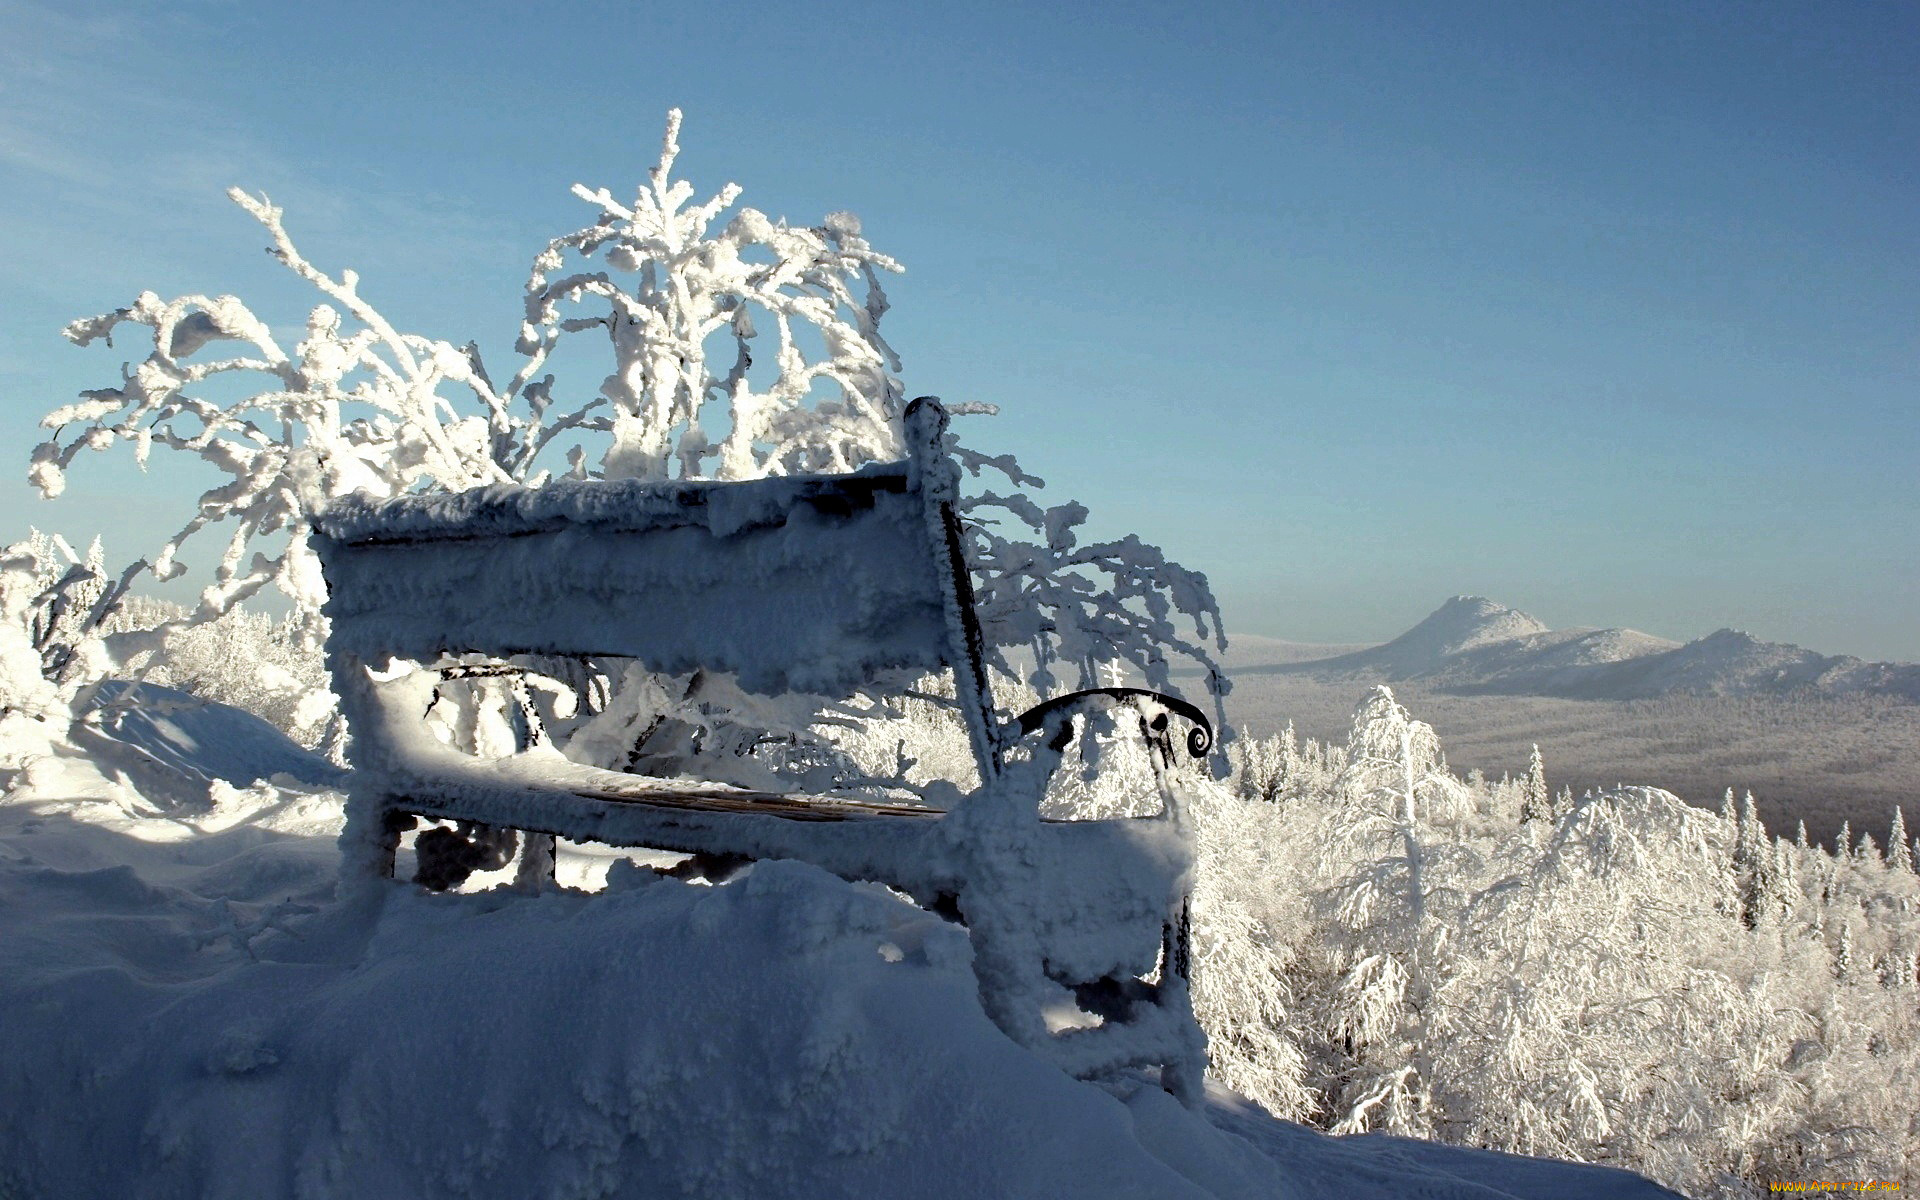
x=796, y=583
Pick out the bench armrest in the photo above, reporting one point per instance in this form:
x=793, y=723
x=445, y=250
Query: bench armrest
x=1054, y=718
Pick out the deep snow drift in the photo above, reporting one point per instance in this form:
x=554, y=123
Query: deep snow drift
x=188, y=1013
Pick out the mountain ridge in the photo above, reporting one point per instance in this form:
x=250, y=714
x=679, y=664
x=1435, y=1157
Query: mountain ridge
x=1471, y=644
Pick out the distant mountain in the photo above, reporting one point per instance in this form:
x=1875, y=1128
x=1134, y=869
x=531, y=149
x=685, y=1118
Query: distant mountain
x=1464, y=625
x=1471, y=644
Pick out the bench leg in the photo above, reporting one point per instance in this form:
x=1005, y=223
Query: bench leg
x=1144, y=1024
x=1012, y=987
x=371, y=839
x=537, y=859
x=1185, y=1070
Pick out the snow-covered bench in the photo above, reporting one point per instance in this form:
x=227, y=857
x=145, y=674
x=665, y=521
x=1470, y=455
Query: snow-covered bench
x=793, y=584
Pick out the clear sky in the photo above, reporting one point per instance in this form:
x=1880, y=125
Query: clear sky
x=1608, y=311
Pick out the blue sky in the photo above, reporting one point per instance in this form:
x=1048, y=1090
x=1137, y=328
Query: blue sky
x=1610, y=312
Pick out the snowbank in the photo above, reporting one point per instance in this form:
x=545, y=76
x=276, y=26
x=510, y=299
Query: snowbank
x=187, y=1013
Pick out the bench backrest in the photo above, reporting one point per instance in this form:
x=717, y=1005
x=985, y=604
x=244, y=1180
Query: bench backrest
x=794, y=583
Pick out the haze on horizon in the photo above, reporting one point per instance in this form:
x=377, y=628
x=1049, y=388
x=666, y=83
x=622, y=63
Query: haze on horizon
x=1609, y=314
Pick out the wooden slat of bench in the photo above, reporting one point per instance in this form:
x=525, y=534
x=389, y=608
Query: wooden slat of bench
x=585, y=804
x=712, y=798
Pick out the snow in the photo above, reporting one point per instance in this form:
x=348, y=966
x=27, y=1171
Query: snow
x=212, y=740
x=1088, y=899
x=721, y=508
x=190, y=1013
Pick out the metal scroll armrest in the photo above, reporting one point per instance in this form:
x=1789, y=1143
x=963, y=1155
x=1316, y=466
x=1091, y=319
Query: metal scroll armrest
x=1054, y=718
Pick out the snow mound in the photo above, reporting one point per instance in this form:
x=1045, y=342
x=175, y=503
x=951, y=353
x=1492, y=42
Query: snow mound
x=190, y=1014
x=214, y=741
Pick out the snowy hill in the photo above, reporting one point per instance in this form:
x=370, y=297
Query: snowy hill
x=1460, y=626
x=1732, y=662
x=191, y=1014
x=1472, y=644
x=198, y=737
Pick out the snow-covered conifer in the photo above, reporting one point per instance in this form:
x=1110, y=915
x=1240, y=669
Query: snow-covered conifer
x=1260, y=766
x=1786, y=880
x=54, y=606
x=24, y=686
x=1899, y=852
x=1536, y=802
x=1753, y=866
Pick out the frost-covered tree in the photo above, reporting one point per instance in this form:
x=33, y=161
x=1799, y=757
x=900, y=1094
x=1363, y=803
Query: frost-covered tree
x=56, y=605
x=245, y=659
x=1394, y=787
x=684, y=294
x=1753, y=871
x=53, y=607
x=1844, y=962
x=1899, y=851
x=1262, y=767
x=666, y=289
x=1536, y=802
x=24, y=686
x=357, y=405
x=1395, y=784
x=1597, y=994
x=1246, y=957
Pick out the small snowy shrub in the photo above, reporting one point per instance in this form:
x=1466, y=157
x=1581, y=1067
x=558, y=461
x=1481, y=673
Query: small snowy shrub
x=53, y=606
x=24, y=687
